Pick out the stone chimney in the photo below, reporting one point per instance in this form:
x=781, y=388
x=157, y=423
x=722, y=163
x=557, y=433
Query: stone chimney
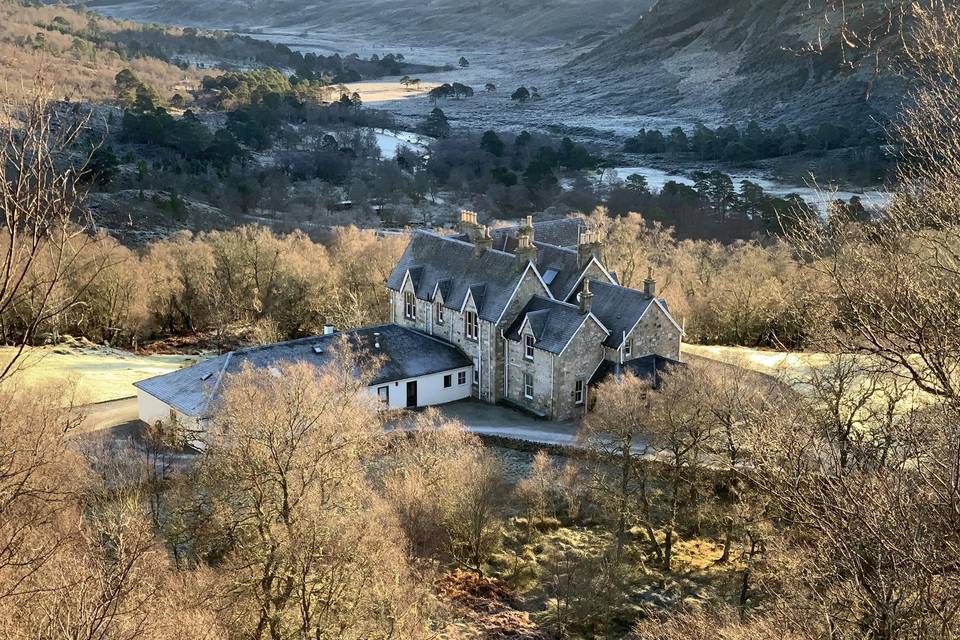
x=528, y=228
x=483, y=241
x=526, y=251
x=468, y=225
x=650, y=285
x=589, y=247
x=586, y=297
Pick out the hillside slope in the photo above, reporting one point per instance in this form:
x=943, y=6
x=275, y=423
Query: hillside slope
x=79, y=53
x=454, y=20
x=733, y=60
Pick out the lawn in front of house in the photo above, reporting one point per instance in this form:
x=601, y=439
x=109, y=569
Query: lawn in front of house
x=88, y=373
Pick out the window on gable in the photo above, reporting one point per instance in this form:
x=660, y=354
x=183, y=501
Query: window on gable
x=438, y=313
x=528, y=347
x=578, y=392
x=628, y=348
x=409, y=306
x=448, y=381
x=471, y=326
x=528, y=386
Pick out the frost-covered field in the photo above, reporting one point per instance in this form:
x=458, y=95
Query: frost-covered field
x=774, y=363
x=796, y=369
x=90, y=374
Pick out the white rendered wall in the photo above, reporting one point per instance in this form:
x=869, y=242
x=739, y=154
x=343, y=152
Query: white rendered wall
x=151, y=410
x=430, y=389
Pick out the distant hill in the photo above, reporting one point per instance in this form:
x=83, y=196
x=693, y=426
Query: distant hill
x=733, y=60
x=80, y=53
x=547, y=20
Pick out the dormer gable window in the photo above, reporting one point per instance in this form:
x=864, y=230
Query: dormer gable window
x=471, y=326
x=528, y=341
x=409, y=306
x=438, y=312
x=628, y=348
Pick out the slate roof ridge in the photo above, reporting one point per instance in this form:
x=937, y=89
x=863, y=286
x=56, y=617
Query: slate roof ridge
x=216, y=384
x=307, y=339
x=466, y=243
x=540, y=244
x=557, y=301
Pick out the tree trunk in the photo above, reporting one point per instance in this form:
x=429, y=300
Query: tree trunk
x=727, y=539
x=667, y=549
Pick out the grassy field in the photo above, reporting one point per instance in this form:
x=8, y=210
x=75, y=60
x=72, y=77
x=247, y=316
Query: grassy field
x=774, y=363
x=795, y=368
x=91, y=373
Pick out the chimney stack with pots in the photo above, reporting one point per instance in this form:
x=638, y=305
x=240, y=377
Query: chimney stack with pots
x=650, y=285
x=483, y=240
x=586, y=297
x=589, y=247
x=528, y=228
x=526, y=251
x=468, y=225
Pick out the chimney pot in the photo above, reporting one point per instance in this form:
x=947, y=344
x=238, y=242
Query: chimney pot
x=589, y=247
x=483, y=240
x=526, y=252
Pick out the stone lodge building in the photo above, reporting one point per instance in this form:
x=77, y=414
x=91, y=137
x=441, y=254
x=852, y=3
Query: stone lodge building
x=535, y=309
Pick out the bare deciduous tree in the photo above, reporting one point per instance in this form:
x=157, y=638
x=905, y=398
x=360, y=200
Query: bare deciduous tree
x=44, y=234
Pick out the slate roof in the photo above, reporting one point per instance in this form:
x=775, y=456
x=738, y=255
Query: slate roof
x=618, y=308
x=649, y=367
x=564, y=262
x=559, y=233
x=554, y=323
x=406, y=353
x=492, y=276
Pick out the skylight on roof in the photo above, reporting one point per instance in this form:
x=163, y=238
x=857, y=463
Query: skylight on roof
x=317, y=349
x=549, y=276
x=206, y=376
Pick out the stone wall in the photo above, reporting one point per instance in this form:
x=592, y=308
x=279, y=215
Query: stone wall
x=579, y=361
x=529, y=286
x=656, y=334
x=541, y=368
x=555, y=376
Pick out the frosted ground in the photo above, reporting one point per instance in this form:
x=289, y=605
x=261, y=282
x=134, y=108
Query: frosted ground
x=86, y=373
x=507, y=62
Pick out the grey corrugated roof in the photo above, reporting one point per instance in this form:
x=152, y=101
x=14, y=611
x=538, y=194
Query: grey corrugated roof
x=554, y=323
x=492, y=276
x=405, y=353
x=618, y=308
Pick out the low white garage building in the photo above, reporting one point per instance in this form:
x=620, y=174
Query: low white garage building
x=415, y=370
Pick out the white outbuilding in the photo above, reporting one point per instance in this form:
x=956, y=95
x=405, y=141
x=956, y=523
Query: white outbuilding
x=413, y=370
